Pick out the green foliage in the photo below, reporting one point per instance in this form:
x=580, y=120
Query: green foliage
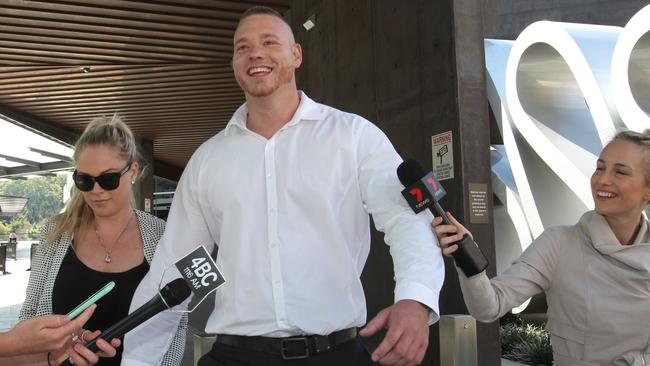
x=45, y=196
x=34, y=232
x=4, y=229
x=17, y=222
x=527, y=343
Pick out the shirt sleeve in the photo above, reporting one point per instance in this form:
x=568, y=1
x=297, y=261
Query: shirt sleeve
x=185, y=231
x=488, y=300
x=417, y=259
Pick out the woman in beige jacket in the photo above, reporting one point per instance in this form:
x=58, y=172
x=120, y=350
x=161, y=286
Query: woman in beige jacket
x=596, y=273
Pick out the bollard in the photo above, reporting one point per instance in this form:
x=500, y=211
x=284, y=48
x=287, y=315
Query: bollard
x=32, y=253
x=458, y=340
x=3, y=259
x=11, y=250
x=202, y=344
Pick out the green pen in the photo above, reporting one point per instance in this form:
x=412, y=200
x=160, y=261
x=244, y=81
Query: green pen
x=91, y=300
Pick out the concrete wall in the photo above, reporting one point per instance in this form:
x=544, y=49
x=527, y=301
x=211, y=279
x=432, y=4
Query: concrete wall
x=515, y=15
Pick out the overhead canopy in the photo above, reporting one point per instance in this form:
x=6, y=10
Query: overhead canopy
x=24, y=153
x=163, y=65
x=11, y=206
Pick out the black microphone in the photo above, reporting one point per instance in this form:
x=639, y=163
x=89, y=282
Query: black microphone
x=422, y=190
x=169, y=296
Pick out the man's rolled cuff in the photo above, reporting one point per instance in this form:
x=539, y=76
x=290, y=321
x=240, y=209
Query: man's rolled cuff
x=422, y=294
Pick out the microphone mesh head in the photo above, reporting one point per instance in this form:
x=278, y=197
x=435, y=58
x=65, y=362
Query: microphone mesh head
x=175, y=292
x=410, y=172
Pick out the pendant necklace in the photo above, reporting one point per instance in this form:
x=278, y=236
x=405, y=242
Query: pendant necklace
x=108, y=257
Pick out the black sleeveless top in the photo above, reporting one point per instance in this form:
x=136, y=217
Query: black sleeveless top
x=75, y=282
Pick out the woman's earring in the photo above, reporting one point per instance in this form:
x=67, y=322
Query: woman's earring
x=132, y=182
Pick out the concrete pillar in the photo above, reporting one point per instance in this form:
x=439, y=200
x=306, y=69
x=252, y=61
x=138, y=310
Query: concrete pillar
x=143, y=188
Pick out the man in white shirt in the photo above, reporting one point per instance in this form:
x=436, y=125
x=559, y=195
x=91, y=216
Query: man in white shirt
x=285, y=191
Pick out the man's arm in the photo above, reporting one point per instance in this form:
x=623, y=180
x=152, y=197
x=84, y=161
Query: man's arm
x=185, y=230
x=417, y=259
x=418, y=263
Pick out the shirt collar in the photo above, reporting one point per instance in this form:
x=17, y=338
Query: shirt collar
x=308, y=110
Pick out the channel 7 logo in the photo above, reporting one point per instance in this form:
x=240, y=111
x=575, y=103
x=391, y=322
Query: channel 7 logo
x=423, y=193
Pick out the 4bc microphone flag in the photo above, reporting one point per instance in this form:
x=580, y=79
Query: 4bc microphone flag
x=200, y=272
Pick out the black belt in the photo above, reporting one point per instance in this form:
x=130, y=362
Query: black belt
x=290, y=348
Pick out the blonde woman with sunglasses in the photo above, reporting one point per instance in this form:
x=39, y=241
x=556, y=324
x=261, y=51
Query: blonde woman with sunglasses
x=98, y=238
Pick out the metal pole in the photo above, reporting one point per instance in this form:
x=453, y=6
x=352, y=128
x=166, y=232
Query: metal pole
x=458, y=340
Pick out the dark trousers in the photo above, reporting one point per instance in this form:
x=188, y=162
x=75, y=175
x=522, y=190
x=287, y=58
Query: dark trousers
x=351, y=353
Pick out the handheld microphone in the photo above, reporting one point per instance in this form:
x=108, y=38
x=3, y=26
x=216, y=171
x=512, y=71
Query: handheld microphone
x=422, y=191
x=169, y=296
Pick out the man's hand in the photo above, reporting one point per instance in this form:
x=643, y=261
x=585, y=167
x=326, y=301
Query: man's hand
x=407, y=337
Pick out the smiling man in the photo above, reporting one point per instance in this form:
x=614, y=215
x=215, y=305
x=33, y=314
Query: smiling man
x=285, y=191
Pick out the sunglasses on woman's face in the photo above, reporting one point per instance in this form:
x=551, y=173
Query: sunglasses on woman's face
x=108, y=181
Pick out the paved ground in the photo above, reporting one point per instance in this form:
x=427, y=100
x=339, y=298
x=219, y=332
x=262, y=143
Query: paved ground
x=12, y=286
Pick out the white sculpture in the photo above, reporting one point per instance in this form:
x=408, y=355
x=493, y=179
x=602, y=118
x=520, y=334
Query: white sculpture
x=559, y=92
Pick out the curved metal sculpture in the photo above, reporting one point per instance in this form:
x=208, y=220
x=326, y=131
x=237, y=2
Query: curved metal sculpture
x=559, y=93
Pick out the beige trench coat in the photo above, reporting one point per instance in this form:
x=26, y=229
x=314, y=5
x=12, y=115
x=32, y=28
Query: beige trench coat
x=597, y=290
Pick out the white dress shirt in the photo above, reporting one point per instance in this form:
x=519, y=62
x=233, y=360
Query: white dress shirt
x=290, y=217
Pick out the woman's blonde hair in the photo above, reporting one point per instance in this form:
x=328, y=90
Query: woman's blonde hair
x=108, y=131
x=641, y=139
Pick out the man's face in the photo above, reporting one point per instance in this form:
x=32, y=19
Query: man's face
x=265, y=55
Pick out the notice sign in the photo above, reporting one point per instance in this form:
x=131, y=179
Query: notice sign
x=478, y=203
x=442, y=150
